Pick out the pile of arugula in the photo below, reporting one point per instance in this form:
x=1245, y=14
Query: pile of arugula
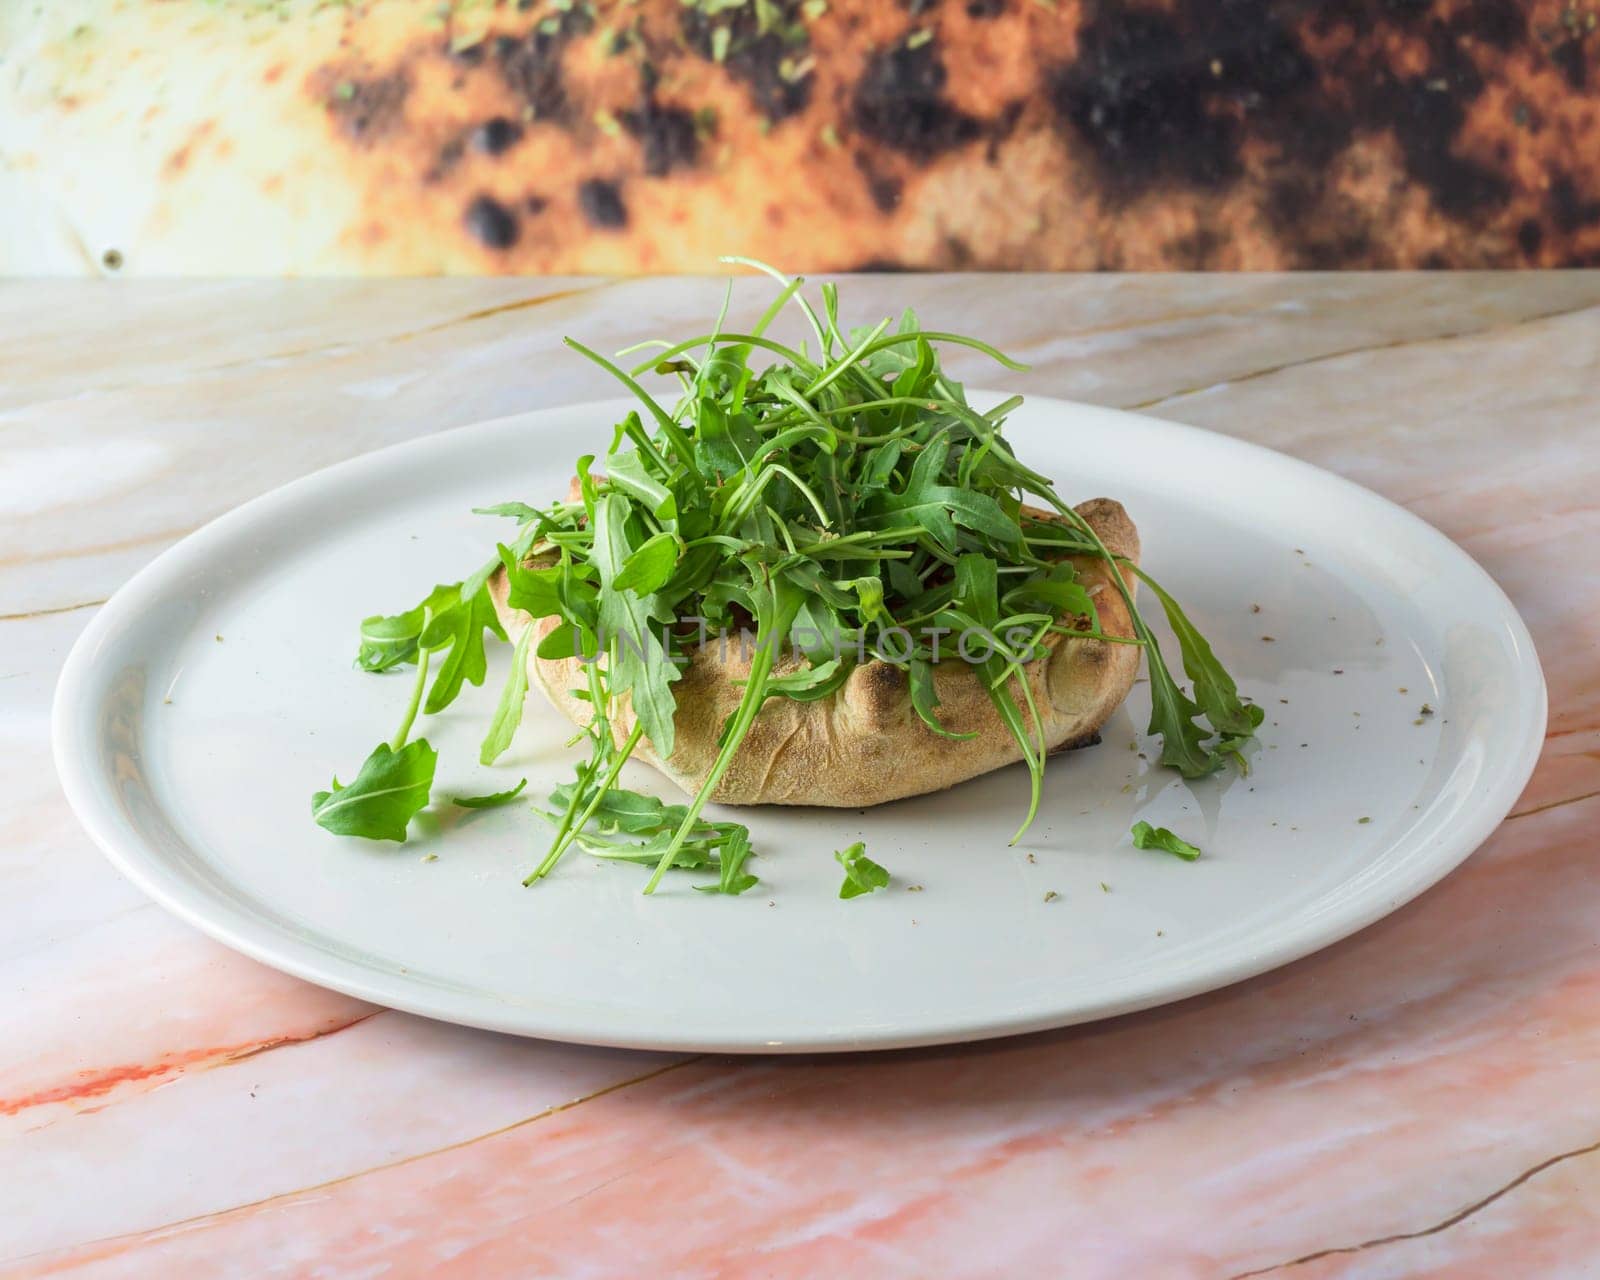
x=836, y=493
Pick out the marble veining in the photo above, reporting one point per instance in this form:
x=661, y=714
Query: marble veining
x=1421, y=1099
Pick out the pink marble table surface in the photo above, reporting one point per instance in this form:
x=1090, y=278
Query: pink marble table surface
x=1422, y=1099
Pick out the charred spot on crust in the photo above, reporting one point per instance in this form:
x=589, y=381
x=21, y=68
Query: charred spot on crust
x=1573, y=60
x=1569, y=210
x=1427, y=113
x=469, y=55
x=1090, y=739
x=495, y=136
x=1407, y=10
x=667, y=135
x=1198, y=250
x=1005, y=124
x=532, y=68
x=1530, y=236
x=449, y=157
x=1498, y=23
x=981, y=9
x=1325, y=232
x=1091, y=654
x=885, y=193
x=763, y=50
x=491, y=223
x=1137, y=95
x=1336, y=250
x=1167, y=97
x=1425, y=123
x=959, y=253
x=885, y=189
x=899, y=102
x=601, y=203
x=1206, y=94
x=886, y=266
x=884, y=688
x=367, y=109
x=531, y=64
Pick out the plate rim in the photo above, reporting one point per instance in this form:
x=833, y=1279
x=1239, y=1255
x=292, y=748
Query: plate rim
x=74, y=749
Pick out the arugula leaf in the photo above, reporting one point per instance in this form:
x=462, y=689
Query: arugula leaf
x=623, y=810
x=630, y=827
x=520, y=511
x=726, y=439
x=878, y=472
x=649, y=566
x=639, y=663
x=903, y=580
x=391, y=788
x=869, y=594
x=809, y=683
x=861, y=873
x=566, y=642
x=735, y=886
x=627, y=472
x=1060, y=590
x=1214, y=688
x=692, y=857
x=457, y=628
x=776, y=603
x=491, y=801
x=1147, y=837
x=977, y=591
x=939, y=508
x=730, y=865
x=1183, y=742
x=669, y=427
x=388, y=642
x=925, y=700
x=508, y=715
x=537, y=592
x=815, y=632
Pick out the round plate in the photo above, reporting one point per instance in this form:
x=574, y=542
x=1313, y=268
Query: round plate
x=208, y=700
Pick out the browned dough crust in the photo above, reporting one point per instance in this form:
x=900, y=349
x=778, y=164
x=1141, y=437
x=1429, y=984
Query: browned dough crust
x=396, y=137
x=865, y=745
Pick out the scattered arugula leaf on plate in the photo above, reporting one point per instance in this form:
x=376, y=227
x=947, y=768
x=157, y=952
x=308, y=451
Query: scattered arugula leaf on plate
x=861, y=873
x=491, y=801
x=379, y=803
x=1147, y=837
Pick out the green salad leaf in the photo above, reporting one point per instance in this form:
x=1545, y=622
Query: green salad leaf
x=388, y=642
x=456, y=630
x=649, y=566
x=508, y=715
x=383, y=797
x=1147, y=837
x=1233, y=720
x=638, y=661
x=491, y=801
x=731, y=856
x=861, y=873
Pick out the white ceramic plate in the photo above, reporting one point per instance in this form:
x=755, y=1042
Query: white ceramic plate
x=208, y=700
